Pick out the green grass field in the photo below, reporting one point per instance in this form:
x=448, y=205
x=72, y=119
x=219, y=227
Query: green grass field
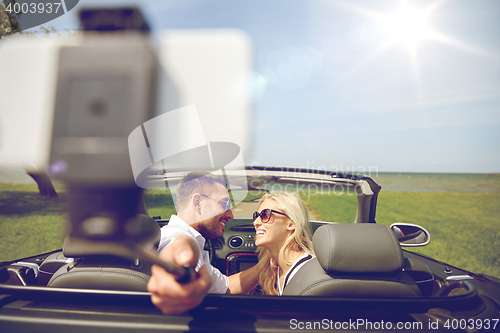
x=30, y=224
x=464, y=227
x=159, y=203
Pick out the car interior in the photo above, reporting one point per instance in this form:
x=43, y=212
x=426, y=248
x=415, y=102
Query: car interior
x=353, y=260
x=358, y=262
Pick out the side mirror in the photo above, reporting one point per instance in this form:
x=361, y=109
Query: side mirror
x=411, y=235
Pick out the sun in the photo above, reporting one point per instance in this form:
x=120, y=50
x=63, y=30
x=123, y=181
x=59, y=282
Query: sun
x=406, y=25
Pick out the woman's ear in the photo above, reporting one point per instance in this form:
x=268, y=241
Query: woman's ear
x=290, y=226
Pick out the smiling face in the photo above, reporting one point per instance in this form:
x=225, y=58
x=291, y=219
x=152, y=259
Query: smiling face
x=213, y=216
x=273, y=234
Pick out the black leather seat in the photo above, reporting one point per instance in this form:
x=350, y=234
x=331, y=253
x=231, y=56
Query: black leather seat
x=100, y=265
x=360, y=260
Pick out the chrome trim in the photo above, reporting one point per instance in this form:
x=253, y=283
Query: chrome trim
x=235, y=247
x=420, y=281
x=31, y=265
x=414, y=225
x=459, y=277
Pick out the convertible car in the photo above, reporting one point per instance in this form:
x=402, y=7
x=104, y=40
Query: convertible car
x=360, y=280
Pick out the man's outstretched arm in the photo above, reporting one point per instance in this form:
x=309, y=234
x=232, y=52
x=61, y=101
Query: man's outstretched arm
x=170, y=296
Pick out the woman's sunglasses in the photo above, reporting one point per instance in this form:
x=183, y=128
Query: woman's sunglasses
x=265, y=215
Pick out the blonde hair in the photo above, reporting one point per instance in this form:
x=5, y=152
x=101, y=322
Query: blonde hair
x=300, y=240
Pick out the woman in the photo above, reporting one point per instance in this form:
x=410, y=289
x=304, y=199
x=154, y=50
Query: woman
x=284, y=240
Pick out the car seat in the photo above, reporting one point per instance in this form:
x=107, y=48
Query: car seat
x=360, y=260
x=100, y=265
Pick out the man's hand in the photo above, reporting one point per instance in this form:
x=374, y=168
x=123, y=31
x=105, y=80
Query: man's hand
x=170, y=296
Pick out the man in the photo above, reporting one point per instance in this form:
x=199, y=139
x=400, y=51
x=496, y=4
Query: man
x=203, y=209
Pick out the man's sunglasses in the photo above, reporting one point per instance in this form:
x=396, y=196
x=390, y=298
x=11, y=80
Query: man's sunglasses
x=265, y=215
x=224, y=203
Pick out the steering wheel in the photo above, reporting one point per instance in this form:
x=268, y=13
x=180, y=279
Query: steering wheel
x=210, y=247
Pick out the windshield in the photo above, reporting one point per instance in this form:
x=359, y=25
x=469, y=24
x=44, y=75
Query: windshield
x=405, y=92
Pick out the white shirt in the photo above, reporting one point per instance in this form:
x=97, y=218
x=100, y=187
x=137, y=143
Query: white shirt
x=291, y=272
x=177, y=227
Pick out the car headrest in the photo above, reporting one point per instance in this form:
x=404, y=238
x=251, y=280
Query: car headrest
x=359, y=248
x=143, y=231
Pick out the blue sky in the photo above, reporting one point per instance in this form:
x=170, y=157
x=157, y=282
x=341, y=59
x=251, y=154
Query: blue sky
x=339, y=87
